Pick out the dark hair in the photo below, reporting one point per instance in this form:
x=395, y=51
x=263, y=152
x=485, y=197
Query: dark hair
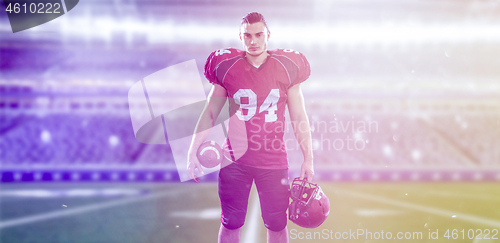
x=254, y=17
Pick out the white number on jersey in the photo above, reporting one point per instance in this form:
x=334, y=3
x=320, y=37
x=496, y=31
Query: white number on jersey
x=251, y=107
x=290, y=50
x=222, y=51
x=270, y=104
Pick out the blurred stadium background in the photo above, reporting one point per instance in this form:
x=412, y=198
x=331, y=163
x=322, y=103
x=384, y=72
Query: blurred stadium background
x=423, y=76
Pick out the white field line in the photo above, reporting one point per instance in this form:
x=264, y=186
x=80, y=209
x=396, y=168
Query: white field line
x=209, y=213
x=83, y=209
x=252, y=229
x=378, y=212
x=460, y=195
x=436, y=211
x=477, y=196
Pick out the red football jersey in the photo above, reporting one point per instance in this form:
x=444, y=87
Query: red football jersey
x=257, y=97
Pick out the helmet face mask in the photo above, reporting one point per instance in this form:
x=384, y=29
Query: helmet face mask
x=310, y=206
x=303, y=191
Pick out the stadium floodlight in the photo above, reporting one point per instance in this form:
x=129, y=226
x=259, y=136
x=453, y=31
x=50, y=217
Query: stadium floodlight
x=307, y=33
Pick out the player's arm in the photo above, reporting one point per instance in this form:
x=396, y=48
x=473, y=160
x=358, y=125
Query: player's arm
x=215, y=101
x=300, y=124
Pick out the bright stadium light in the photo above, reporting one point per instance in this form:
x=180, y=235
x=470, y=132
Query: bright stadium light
x=326, y=26
x=45, y=136
x=113, y=140
x=416, y=155
x=387, y=150
x=307, y=33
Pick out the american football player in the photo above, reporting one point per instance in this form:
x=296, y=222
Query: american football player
x=259, y=84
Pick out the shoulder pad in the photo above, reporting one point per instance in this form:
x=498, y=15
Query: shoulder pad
x=216, y=58
x=295, y=63
x=288, y=52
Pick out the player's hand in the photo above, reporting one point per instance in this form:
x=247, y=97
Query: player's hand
x=194, y=164
x=307, y=170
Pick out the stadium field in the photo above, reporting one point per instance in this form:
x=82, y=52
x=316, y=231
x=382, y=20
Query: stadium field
x=188, y=212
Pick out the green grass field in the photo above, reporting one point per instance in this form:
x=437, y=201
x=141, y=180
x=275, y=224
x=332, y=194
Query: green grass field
x=188, y=212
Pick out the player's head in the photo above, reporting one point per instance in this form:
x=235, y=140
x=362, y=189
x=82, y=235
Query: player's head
x=254, y=33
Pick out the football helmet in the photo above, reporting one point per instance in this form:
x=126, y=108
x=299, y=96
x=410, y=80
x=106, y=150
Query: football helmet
x=310, y=206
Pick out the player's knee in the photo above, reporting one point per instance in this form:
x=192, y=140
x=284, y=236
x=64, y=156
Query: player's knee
x=275, y=223
x=233, y=222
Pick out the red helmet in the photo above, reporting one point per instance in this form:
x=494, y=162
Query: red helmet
x=310, y=206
